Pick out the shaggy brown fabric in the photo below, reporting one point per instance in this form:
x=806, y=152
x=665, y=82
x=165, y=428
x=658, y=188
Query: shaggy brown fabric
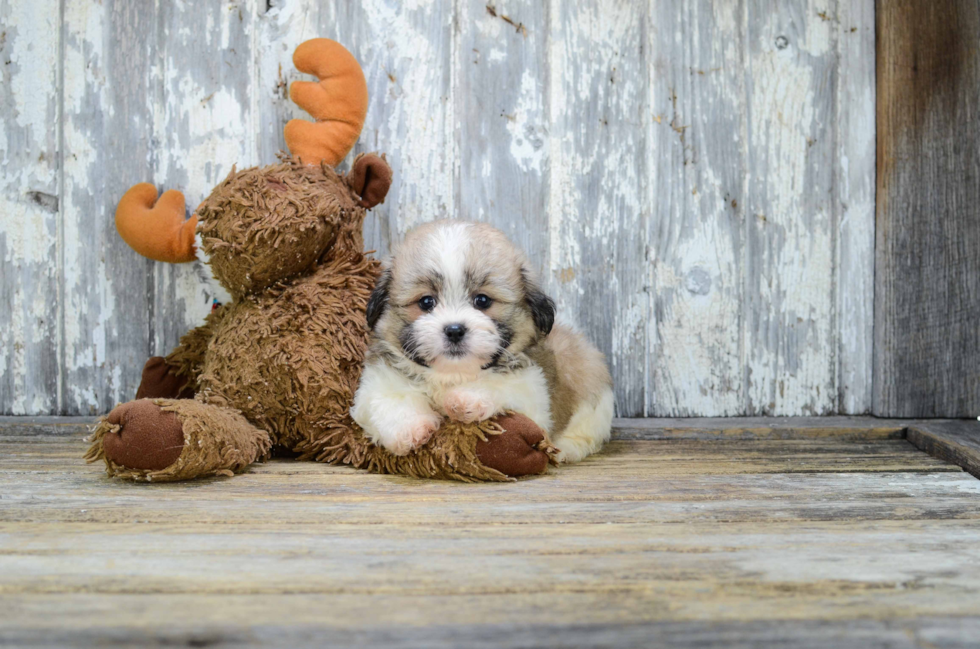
x=188, y=357
x=267, y=224
x=216, y=441
x=161, y=381
x=281, y=363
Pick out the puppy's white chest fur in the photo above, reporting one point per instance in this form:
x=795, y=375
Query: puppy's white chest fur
x=524, y=391
x=401, y=413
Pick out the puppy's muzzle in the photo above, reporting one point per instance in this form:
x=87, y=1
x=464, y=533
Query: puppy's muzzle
x=454, y=333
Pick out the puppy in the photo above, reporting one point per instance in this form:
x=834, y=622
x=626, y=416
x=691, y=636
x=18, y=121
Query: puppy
x=460, y=329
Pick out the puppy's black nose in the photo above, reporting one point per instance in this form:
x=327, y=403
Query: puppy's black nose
x=455, y=332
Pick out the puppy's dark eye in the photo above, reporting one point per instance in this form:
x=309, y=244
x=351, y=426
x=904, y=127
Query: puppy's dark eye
x=427, y=303
x=482, y=302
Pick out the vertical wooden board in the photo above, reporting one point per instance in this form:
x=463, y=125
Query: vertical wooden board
x=30, y=70
x=927, y=271
x=597, y=221
x=407, y=53
x=110, y=52
x=501, y=103
x=789, y=328
x=697, y=156
x=854, y=166
x=204, y=125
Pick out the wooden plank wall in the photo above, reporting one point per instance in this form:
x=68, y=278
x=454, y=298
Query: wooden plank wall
x=927, y=299
x=694, y=179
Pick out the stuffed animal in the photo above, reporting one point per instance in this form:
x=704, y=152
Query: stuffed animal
x=277, y=366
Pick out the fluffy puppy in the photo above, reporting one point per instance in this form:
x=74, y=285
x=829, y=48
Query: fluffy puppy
x=461, y=330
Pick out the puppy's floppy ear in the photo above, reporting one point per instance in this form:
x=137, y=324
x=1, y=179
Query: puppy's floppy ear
x=542, y=307
x=378, y=301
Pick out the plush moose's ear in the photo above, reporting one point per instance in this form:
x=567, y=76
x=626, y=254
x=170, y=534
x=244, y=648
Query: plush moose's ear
x=542, y=307
x=370, y=178
x=378, y=301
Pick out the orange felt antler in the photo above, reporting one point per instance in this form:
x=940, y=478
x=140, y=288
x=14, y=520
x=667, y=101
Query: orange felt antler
x=338, y=102
x=156, y=228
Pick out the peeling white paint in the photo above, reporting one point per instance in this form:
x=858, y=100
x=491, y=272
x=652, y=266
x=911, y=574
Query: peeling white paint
x=634, y=171
x=527, y=139
x=790, y=354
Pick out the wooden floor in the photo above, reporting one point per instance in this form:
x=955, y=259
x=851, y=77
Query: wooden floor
x=828, y=534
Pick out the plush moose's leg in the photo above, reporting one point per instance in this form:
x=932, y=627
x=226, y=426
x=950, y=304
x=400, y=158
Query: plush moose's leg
x=520, y=450
x=164, y=440
x=145, y=436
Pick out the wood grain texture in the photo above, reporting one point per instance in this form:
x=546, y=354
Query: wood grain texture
x=757, y=428
x=953, y=441
x=927, y=277
x=789, y=211
x=109, y=90
x=812, y=542
x=854, y=172
x=596, y=209
x=501, y=93
x=30, y=191
x=697, y=71
x=904, y=633
x=628, y=146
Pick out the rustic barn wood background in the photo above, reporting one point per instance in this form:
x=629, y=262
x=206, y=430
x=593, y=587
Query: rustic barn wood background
x=694, y=179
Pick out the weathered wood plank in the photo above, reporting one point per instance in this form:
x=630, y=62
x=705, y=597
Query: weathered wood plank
x=927, y=278
x=413, y=110
x=598, y=221
x=855, y=195
x=901, y=633
x=672, y=561
x=204, y=124
x=722, y=542
x=710, y=428
x=696, y=201
x=625, y=493
x=619, y=459
x=953, y=441
x=789, y=326
x=501, y=93
x=702, y=428
x=111, y=62
x=30, y=200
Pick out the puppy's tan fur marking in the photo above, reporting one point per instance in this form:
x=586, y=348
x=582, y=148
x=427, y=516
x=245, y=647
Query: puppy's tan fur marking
x=505, y=356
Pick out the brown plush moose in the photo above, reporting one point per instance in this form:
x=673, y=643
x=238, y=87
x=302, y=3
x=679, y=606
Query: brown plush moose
x=278, y=366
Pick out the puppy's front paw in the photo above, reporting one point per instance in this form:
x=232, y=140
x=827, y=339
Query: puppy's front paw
x=467, y=406
x=414, y=433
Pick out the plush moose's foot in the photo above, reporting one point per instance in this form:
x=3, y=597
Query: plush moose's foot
x=160, y=382
x=164, y=440
x=148, y=438
x=516, y=452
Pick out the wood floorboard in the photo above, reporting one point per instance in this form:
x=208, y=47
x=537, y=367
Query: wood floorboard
x=808, y=541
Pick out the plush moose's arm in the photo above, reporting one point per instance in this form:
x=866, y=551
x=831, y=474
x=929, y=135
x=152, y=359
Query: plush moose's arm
x=156, y=228
x=175, y=377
